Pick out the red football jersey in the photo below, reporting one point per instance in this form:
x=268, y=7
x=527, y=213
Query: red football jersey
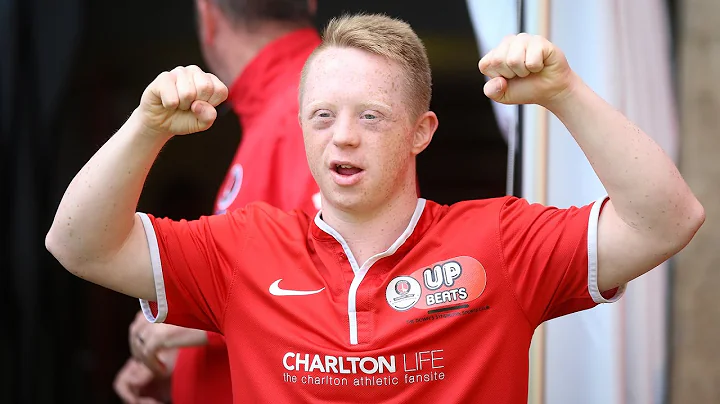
x=446, y=314
x=269, y=166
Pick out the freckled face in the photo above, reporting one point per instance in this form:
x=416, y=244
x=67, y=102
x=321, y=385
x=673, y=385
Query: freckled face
x=357, y=128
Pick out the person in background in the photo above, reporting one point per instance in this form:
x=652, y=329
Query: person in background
x=257, y=48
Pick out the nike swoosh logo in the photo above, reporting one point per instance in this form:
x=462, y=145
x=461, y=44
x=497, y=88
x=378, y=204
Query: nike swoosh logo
x=275, y=290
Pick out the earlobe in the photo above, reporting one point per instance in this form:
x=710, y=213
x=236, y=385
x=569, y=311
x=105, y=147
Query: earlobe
x=425, y=128
x=312, y=7
x=206, y=22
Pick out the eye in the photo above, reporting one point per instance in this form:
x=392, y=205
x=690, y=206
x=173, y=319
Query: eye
x=322, y=114
x=370, y=116
x=322, y=119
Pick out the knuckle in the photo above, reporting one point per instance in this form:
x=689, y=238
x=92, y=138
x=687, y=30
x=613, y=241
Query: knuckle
x=204, y=86
x=216, y=81
x=161, y=78
x=187, y=94
x=495, y=62
x=534, y=64
x=515, y=62
x=172, y=103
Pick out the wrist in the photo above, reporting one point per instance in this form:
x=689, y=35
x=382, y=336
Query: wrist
x=180, y=337
x=568, y=98
x=140, y=129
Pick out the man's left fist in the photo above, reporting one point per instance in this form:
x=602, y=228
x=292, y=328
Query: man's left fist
x=527, y=69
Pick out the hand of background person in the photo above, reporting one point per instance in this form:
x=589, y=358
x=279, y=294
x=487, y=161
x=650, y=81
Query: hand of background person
x=154, y=344
x=135, y=383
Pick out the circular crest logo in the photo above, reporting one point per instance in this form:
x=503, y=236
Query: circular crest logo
x=402, y=287
x=403, y=293
x=232, y=189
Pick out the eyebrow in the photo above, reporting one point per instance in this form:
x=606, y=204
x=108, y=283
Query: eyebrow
x=376, y=105
x=319, y=105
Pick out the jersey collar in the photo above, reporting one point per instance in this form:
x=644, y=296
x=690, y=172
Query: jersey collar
x=324, y=231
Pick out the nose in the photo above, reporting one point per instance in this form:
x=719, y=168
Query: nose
x=345, y=133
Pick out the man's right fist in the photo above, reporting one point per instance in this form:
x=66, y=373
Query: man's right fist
x=181, y=101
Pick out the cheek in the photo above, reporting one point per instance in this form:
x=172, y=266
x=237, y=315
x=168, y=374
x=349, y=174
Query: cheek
x=394, y=153
x=313, y=148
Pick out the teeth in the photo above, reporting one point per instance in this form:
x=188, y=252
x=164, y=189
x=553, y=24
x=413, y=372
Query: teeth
x=345, y=166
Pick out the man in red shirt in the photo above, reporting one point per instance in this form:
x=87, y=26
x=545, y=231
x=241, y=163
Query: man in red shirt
x=260, y=47
x=382, y=296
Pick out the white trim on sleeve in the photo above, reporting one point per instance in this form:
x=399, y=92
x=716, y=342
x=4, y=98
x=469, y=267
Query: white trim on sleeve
x=593, y=258
x=162, y=304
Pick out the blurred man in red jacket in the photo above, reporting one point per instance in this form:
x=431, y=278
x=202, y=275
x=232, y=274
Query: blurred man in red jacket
x=257, y=48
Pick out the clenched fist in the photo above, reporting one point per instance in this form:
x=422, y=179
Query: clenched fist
x=526, y=69
x=181, y=101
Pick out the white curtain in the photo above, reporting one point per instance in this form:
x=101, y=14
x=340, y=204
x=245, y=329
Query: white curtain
x=492, y=21
x=613, y=353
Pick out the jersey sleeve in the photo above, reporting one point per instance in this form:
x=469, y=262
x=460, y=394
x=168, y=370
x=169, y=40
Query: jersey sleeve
x=193, y=265
x=550, y=256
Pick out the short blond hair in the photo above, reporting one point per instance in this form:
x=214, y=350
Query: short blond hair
x=390, y=38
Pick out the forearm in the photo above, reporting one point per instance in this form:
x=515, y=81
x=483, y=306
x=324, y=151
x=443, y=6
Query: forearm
x=96, y=214
x=646, y=189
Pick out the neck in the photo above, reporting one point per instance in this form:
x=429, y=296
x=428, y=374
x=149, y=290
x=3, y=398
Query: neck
x=373, y=232
x=242, y=45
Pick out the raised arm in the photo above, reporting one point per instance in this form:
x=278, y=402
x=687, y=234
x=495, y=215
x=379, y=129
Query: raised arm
x=652, y=213
x=96, y=234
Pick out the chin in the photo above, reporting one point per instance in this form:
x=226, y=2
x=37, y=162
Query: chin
x=344, y=199
x=345, y=203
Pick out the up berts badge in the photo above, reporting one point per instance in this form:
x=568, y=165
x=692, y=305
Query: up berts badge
x=445, y=283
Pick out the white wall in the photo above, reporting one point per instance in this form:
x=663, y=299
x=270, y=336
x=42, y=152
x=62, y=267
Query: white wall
x=613, y=353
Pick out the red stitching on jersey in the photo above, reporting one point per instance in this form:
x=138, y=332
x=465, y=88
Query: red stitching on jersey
x=236, y=266
x=505, y=270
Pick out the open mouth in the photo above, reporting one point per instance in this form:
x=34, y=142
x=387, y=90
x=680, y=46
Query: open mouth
x=345, y=174
x=346, y=169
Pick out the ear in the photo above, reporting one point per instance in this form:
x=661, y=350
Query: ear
x=207, y=21
x=425, y=128
x=312, y=7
